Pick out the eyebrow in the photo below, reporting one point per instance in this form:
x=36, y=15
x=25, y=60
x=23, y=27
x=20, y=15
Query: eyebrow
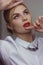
x=25, y=10
x=15, y=14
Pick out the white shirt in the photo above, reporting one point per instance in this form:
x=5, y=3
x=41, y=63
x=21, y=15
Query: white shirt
x=15, y=52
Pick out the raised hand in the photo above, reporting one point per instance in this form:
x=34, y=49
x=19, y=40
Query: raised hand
x=38, y=25
x=6, y=4
x=14, y=3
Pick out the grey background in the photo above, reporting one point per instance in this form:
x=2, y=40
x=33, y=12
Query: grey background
x=36, y=9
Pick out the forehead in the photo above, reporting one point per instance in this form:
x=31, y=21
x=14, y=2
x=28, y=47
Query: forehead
x=19, y=8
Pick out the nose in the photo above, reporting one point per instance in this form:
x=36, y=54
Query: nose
x=24, y=18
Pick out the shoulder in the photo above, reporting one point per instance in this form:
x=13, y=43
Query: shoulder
x=7, y=49
x=8, y=45
x=7, y=41
x=3, y=43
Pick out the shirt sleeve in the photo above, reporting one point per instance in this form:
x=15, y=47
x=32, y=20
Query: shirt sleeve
x=8, y=54
x=4, y=58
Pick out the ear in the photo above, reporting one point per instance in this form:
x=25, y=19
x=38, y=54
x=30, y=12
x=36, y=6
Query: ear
x=9, y=27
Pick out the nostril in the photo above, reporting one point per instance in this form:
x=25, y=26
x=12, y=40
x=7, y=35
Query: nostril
x=25, y=19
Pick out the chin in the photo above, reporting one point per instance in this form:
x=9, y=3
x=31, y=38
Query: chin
x=29, y=31
x=23, y=32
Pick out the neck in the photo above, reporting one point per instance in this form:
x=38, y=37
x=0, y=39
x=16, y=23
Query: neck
x=27, y=36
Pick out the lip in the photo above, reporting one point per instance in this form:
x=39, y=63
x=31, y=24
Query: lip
x=26, y=24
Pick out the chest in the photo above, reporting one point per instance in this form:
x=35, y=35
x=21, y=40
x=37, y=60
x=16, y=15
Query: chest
x=32, y=57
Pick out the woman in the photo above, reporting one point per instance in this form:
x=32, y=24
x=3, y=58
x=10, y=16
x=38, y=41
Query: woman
x=25, y=49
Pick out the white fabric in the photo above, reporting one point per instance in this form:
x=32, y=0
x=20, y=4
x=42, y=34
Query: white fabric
x=15, y=52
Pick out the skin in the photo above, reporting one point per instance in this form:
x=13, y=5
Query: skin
x=38, y=25
x=7, y=4
x=18, y=17
x=4, y=3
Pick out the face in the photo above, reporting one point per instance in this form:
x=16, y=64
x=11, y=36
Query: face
x=20, y=19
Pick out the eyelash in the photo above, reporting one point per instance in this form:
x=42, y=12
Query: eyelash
x=26, y=12
x=16, y=16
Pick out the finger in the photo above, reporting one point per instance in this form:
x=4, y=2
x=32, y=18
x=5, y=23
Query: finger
x=39, y=30
x=37, y=23
x=41, y=19
x=13, y=4
x=17, y=0
x=35, y=26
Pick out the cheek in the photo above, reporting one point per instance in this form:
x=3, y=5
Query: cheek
x=20, y=29
x=17, y=24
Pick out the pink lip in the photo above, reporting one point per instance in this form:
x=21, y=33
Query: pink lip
x=26, y=24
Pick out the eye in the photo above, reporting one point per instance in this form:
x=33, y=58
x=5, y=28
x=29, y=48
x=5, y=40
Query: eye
x=16, y=16
x=26, y=12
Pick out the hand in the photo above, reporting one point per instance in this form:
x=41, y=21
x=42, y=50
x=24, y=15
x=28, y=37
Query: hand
x=4, y=3
x=38, y=25
x=7, y=3
x=14, y=3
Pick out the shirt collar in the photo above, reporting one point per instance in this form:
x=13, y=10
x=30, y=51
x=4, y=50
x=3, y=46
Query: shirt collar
x=21, y=42
x=24, y=43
